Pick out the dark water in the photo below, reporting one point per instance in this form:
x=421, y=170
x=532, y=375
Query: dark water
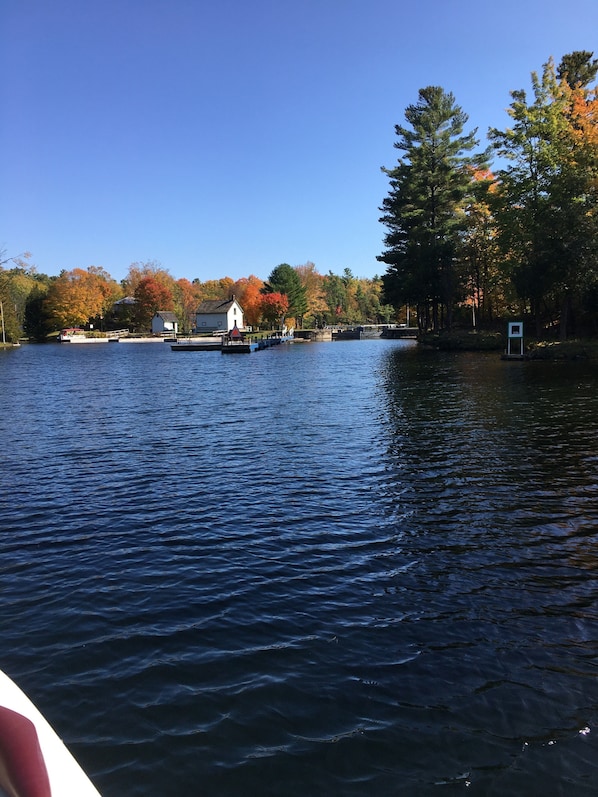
x=325, y=569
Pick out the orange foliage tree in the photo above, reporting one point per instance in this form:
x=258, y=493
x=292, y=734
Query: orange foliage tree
x=248, y=293
x=150, y=297
x=187, y=298
x=273, y=307
x=76, y=297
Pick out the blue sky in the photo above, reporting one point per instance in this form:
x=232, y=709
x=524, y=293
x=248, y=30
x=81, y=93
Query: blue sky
x=223, y=138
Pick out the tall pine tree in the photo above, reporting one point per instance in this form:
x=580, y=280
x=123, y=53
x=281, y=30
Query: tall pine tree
x=424, y=210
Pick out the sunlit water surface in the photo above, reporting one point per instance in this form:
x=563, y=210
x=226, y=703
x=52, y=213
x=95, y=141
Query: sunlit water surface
x=324, y=569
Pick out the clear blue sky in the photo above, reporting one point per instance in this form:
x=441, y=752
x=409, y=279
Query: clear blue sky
x=222, y=138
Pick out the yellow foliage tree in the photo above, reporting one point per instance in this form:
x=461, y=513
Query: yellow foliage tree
x=79, y=295
x=313, y=282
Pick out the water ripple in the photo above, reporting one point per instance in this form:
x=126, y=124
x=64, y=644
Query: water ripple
x=336, y=569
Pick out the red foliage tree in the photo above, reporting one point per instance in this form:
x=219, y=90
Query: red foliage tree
x=151, y=296
x=274, y=306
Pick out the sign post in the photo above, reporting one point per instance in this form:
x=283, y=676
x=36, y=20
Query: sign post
x=515, y=332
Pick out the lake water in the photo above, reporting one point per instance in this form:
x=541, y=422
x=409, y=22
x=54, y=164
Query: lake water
x=348, y=568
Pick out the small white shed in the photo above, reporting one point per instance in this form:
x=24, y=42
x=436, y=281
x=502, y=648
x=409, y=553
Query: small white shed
x=164, y=321
x=216, y=315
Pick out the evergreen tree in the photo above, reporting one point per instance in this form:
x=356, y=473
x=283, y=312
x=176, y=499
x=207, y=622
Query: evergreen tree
x=36, y=324
x=335, y=294
x=284, y=279
x=424, y=208
x=578, y=68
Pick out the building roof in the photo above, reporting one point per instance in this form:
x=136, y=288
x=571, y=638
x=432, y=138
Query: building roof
x=216, y=306
x=166, y=315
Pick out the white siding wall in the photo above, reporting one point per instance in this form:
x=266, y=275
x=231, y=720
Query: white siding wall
x=235, y=316
x=220, y=321
x=159, y=325
x=210, y=321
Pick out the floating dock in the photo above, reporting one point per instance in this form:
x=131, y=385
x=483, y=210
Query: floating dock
x=247, y=346
x=185, y=346
x=232, y=346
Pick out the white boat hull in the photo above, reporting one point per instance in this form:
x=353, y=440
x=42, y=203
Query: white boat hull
x=66, y=778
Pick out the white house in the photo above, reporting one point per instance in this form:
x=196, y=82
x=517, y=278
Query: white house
x=164, y=321
x=216, y=315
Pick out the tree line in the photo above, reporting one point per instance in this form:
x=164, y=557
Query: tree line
x=470, y=244
x=466, y=243
x=36, y=305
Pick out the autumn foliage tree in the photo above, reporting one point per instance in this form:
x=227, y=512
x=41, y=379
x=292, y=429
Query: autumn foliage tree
x=215, y=289
x=274, y=307
x=248, y=293
x=139, y=271
x=151, y=296
x=76, y=297
x=313, y=285
x=187, y=298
